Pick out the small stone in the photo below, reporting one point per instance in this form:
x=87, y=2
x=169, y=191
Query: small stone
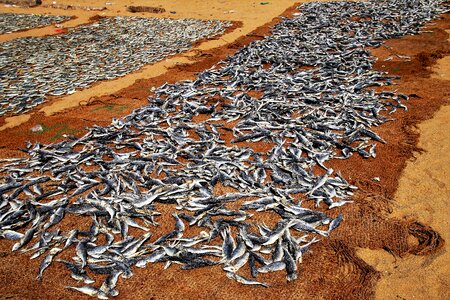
x=37, y=128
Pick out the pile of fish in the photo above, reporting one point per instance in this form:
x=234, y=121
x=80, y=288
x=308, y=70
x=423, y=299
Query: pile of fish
x=32, y=68
x=237, y=157
x=10, y=22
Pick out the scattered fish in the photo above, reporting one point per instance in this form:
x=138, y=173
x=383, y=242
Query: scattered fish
x=122, y=175
x=10, y=22
x=33, y=68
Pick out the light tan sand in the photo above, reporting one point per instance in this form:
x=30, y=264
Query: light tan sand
x=423, y=195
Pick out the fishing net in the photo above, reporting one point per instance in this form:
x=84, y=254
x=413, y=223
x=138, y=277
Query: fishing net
x=246, y=161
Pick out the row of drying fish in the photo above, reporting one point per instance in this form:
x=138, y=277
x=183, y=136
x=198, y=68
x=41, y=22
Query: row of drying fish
x=34, y=68
x=236, y=159
x=10, y=22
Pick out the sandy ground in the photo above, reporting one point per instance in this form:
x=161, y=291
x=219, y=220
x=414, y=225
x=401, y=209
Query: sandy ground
x=422, y=195
x=375, y=253
x=251, y=14
x=441, y=70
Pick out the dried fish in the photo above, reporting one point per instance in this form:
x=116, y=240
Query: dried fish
x=124, y=174
x=10, y=22
x=110, y=48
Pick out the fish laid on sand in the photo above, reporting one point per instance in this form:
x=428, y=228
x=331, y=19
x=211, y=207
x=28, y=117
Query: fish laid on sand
x=10, y=22
x=303, y=92
x=33, y=68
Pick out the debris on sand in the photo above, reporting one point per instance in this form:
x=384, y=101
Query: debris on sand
x=22, y=3
x=149, y=9
x=73, y=7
